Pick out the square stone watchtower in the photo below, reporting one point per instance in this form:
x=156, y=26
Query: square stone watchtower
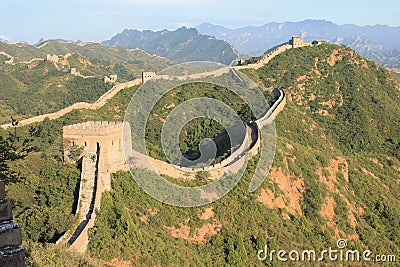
x=111, y=139
x=11, y=254
x=296, y=41
x=147, y=76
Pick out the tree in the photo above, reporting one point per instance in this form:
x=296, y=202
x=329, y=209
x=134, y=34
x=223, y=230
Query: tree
x=12, y=148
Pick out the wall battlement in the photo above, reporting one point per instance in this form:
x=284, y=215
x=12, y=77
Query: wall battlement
x=98, y=128
x=112, y=137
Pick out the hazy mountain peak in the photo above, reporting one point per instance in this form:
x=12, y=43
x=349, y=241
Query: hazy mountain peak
x=181, y=45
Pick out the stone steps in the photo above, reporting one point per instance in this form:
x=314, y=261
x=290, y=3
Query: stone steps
x=87, y=194
x=89, y=170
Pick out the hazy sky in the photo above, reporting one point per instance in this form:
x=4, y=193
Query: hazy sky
x=97, y=20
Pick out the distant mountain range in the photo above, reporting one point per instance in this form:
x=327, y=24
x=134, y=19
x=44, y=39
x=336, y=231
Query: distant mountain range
x=181, y=45
x=379, y=43
x=208, y=42
x=4, y=39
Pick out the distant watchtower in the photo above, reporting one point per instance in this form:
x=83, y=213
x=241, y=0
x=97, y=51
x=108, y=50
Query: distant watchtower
x=296, y=41
x=52, y=58
x=147, y=76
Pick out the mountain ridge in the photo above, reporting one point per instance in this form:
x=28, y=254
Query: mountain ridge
x=181, y=45
x=379, y=42
x=37, y=80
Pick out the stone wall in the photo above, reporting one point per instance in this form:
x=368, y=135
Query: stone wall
x=11, y=254
x=294, y=42
x=109, y=141
x=89, y=201
x=104, y=144
x=277, y=107
x=10, y=60
x=267, y=57
x=231, y=163
x=80, y=105
x=111, y=137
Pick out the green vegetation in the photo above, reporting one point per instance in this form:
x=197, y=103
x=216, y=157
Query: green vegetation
x=357, y=97
x=35, y=87
x=198, y=129
x=338, y=139
x=53, y=255
x=42, y=89
x=135, y=59
x=311, y=147
x=40, y=186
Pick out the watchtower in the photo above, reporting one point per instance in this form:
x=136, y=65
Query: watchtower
x=109, y=139
x=296, y=41
x=147, y=76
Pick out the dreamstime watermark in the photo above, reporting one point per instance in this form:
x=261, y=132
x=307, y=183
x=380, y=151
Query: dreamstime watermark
x=140, y=109
x=340, y=253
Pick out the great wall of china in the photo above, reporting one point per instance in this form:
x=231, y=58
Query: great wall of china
x=10, y=60
x=295, y=42
x=103, y=154
x=104, y=148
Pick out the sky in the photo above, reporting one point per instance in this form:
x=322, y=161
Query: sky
x=98, y=20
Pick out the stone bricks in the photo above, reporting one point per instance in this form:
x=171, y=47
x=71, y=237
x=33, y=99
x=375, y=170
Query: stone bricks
x=111, y=137
x=5, y=211
x=11, y=254
x=10, y=234
x=2, y=191
x=12, y=257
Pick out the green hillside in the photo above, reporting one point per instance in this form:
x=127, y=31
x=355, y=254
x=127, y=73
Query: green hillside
x=37, y=88
x=33, y=86
x=137, y=59
x=196, y=130
x=335, y=175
